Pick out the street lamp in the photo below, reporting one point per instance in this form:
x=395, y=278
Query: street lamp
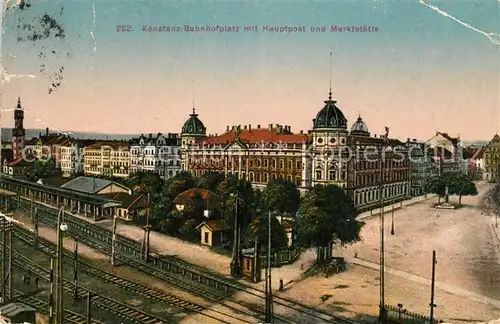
x=392, y=221
x=382, y=313
x=61, y=228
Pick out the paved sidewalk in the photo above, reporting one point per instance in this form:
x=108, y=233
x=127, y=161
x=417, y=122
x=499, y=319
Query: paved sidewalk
x=446, y=287
x=399, y=205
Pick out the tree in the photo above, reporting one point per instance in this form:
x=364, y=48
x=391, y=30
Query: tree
x=181, y=182
x=44, y=168
x=147, y=182
x=327, y=216
x=281, y=196
x=229, y=190
x=461, y=185
x=259, y=228
x=436, y=185
x=211, y=180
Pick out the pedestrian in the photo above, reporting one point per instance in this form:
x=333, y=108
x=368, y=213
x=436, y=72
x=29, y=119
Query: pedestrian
x=281, y=284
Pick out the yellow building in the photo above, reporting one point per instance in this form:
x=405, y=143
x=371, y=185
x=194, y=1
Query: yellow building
x=108, y=159
x=491, y=158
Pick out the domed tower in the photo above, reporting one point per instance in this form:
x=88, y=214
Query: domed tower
x=192, y=130
x=359, y=128
x=18, y=132
x=329, y=135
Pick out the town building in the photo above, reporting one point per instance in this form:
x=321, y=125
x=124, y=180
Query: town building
x=71, y=156
x=491, y=157
x=133, y=205
x=214, y=232
x=18, y=132
x=110, y=159
x=447, y=152
x=157, y=154
x=477, y=165
x=423, y=166
x=328, y=154
x=211, y=201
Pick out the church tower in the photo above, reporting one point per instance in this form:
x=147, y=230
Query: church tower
x=18, y=132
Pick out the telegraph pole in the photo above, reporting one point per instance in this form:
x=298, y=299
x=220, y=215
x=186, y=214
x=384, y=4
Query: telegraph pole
x=235, y=262
x=9, y=265
x=89, y=298
x=51, y=294
x=75, y=269
x=113, y=243
x=432, y=305
x=269, y=291
x=147, y=229
x=35, y=219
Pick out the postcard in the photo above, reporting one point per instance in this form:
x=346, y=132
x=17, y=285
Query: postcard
x=250, y=161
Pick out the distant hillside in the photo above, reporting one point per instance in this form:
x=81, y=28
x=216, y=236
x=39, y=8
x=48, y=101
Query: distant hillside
x=30, y=133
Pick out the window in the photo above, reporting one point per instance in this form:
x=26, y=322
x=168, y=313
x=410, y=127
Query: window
x=297, y=181
x=266, y=177
x=273, y=163
x=266, y=163
x=282, y=164
x=319, y=175
x=206, y=237
x=332, y=175
x=289, y=178
x=273, y=176
x=290, y=165
x=258, y=163
x=297, y=165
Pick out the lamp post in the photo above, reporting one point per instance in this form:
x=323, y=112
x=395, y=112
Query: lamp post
x=392, y=221
x=61, y=228
x=385, y=148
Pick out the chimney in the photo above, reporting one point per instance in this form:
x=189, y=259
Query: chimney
x=47, y=131
x=258, y=126
x=227, y=128
x=250, y=127
x=414, y=139
x=245, y=127
x=375, y=135
x=270, y=127
x=408, y=139
x=150, y=135
x=216, y=134
x=301, y=131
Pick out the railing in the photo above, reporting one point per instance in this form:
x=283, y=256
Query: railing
x=282, y=257
x=403, y=316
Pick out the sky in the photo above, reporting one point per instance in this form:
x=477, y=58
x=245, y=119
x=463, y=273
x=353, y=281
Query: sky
x=430, y=66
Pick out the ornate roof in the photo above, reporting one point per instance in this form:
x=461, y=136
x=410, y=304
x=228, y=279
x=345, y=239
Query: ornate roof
x=330, y=116
x=359, y=128
x=193, y=126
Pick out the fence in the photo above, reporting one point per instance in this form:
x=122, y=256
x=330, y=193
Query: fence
x=403, y=316
x=284, y=256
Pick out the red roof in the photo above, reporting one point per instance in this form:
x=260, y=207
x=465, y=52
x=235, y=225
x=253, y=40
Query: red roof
x=215, y=225
x=478, y=154
x=254, y=136
x=30, y=158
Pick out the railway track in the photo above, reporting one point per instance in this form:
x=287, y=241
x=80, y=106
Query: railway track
x=43, y=307
x=170, y=300
x=164, y=267
x=118, y=309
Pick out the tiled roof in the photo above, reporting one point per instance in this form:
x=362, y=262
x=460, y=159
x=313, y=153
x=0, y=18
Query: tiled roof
x=479, y=153
x=210, y=198
x=55, y=181
x=22, y=161
x=453, y=140
x=88, y=184
x=215, y=225
x=113, y=144
x=127, y=200
x=254, y=136
x=171, y=139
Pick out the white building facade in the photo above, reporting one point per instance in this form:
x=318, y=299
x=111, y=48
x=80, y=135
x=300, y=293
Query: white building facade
x=160, y=154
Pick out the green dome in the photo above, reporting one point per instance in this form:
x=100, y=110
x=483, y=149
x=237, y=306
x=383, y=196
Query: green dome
x=193, y=126
x=330, y=116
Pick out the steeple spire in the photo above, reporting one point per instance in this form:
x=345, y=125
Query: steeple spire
x=330, y=93
x=19, y=102
x=193, y=96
